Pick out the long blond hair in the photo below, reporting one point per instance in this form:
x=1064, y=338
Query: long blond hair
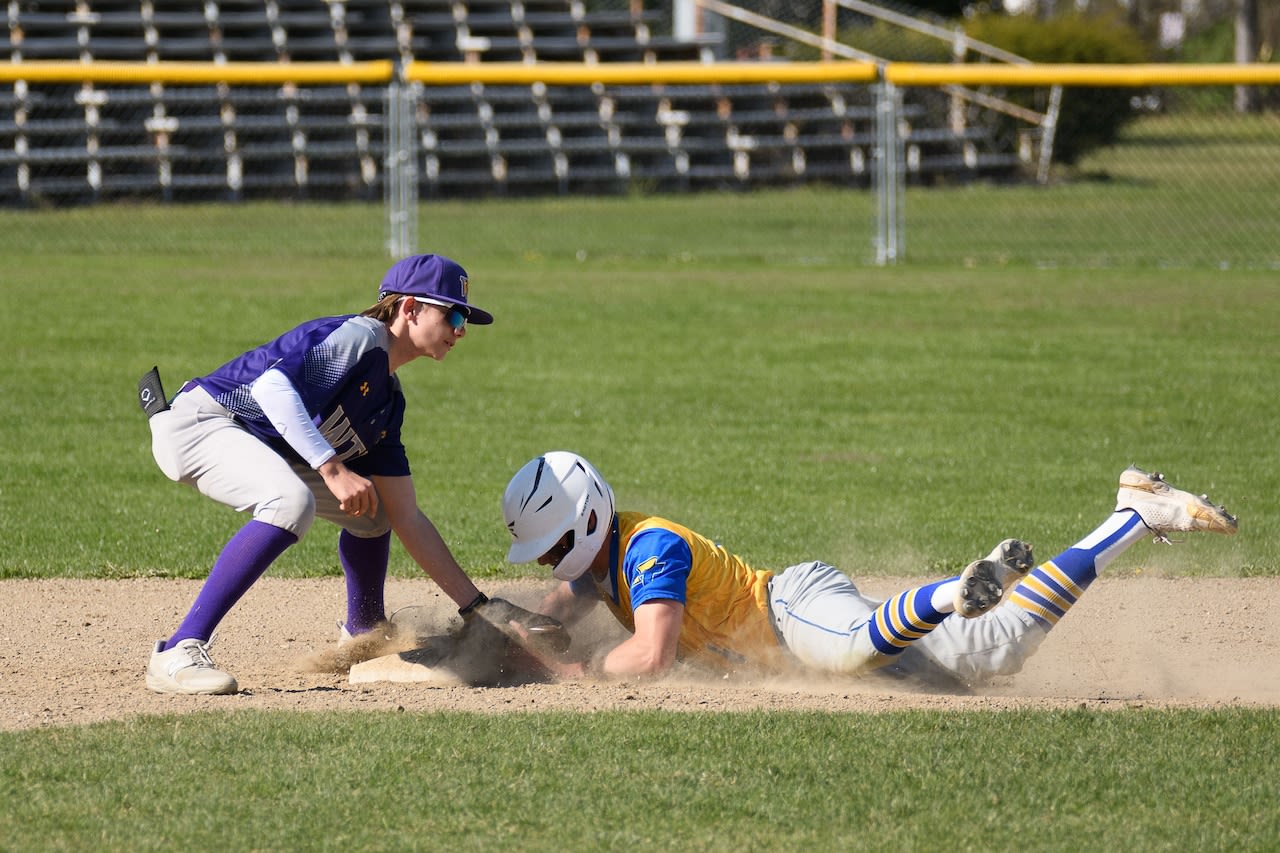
x=384, y=309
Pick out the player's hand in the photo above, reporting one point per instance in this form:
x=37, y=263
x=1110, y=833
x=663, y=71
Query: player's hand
x=534, y=631
x=356, y=495
x=547, y=657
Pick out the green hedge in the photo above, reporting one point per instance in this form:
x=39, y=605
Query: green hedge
x=1090, y=117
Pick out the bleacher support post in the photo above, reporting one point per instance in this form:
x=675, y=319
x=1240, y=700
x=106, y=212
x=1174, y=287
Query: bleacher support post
x=1048, y=130
x=401, y=166
x=888, y=175
x=684, y=20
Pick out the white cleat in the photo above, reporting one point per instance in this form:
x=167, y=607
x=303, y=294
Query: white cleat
x=379, y=640
x=187, y=668
x=1165, y=509
x=980, y=588
x=1013, y=559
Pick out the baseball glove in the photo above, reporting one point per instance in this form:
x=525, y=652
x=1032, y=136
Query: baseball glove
x=542, y=634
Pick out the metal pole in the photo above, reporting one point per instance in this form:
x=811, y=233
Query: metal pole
x=401, y=170
x=888, y=176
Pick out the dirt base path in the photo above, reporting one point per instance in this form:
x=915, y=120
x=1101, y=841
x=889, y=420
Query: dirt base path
x=74, y=652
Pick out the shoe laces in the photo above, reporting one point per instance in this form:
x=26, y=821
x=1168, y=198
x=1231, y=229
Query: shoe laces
x=198, y=653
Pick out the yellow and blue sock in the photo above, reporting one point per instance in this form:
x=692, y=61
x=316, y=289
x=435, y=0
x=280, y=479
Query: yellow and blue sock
x=1052, y=588
x=905, y=618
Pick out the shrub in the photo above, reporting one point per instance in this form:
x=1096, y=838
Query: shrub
x=1090, y=117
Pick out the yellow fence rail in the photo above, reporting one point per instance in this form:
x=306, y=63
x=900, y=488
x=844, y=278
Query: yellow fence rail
x=196, y=73
x=622, y=73
x=939, y=74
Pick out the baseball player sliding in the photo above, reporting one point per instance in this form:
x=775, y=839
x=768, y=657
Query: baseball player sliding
x=682, y=596
x=309, y=425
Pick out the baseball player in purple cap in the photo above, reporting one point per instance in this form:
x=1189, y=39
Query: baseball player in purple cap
x=309, y=425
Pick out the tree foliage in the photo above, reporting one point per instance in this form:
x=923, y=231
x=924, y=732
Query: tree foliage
x=1089, y=117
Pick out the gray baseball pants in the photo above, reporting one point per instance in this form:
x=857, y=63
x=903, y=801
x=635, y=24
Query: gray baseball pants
x=822, y=617
x=199, y=443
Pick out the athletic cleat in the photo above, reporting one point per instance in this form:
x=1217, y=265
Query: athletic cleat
x=187, y=668
x=345, y=637
x=401, y=624
x=980, y=588
x=379, y=640
x=1165, y=509
x=1013, y=559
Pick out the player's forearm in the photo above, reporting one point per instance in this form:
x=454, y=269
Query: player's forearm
x=562, y=604
x=636, y=657
x=424, y=544
x=620, y=662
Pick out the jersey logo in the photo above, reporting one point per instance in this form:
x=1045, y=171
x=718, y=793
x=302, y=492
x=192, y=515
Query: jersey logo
x=466, y=287
x=364, y=389
x=641, y=569
x=337, y=430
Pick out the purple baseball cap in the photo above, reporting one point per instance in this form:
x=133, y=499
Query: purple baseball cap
x=433, y=277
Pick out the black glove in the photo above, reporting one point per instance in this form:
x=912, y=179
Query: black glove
x=548, y=634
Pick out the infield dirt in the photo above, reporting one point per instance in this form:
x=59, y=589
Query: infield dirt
x=73, y=652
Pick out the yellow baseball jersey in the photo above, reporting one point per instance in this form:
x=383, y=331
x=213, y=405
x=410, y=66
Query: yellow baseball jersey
x=726, y=602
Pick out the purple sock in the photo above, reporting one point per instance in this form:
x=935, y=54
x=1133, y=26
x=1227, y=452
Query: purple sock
x=242, y=561
x=364, y=563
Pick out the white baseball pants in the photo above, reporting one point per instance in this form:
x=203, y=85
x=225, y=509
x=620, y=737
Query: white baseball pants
x=822, y=619
x=199, y=443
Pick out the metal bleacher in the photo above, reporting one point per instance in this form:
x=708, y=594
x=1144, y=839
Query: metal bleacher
x=78, y=144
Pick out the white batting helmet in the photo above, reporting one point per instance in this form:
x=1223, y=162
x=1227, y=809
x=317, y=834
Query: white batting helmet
x=555, y=495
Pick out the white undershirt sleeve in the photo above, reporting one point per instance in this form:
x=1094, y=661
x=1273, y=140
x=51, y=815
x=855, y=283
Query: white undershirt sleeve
x=283, y=406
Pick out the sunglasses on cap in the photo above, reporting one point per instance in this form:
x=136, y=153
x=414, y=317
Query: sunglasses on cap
x=456, y=316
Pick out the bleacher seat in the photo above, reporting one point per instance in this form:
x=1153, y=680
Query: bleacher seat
x=456, y=144
x=426, y=30
x=74, y=144
x=763, y=134
x=180, y=34
x=115, y=34
x=46, y=32
x=334, y=131
x=240, y=31
x=195, y=138
x=369, y=32
x=552, y=30
x=306, y=31
x=49, y=140
x=580, y=136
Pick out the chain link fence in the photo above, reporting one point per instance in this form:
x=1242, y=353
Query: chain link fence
x=1190, y=182
x=1181, y=188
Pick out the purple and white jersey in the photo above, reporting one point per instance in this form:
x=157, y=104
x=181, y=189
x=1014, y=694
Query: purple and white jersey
x=340, y=368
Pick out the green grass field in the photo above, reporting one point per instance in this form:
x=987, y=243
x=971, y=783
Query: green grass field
x=790, y=402
x=729, y=361
x=1062, y=781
